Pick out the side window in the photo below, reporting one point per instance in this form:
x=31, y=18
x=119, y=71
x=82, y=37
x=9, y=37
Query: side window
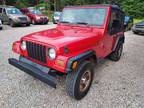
x=115, y=22
x=4, y=11
x=0, y=10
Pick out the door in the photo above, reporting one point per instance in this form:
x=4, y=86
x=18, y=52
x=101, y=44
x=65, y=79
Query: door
x=113, y=31
x=5, y=16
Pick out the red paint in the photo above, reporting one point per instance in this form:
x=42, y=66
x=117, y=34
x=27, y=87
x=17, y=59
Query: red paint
x=77, y=38
x=34, y=16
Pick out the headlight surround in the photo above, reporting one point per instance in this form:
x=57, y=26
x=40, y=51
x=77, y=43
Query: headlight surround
x=51, y=53
x=23, y=45
x=37, y=17
x=15, y=17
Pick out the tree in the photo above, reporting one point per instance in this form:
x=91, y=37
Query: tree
x=134, y=8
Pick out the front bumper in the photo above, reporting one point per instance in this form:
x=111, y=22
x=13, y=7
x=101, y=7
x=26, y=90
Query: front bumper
x=18, y=22
x=42, y=21
x=138, y=30
x=40, y=72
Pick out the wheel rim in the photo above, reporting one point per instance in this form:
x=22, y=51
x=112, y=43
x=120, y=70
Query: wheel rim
x=85, y=80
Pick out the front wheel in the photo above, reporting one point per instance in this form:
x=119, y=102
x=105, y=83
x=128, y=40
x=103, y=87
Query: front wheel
x=27, y=24
x=79, y=82
x=135, y=32
x=46, y=23
x=116, y=55
x=12, y=23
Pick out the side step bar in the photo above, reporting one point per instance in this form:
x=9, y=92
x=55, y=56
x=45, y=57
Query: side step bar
x=33, y=71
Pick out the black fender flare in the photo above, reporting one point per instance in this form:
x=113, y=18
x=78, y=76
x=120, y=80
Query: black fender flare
x=79, y=58
x=120, y=40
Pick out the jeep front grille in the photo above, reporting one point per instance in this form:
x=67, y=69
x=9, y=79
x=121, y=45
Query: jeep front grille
x=36, y=51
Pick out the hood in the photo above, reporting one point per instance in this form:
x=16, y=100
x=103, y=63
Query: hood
x=17, y=15
x=40, y=15
x=140, y=23
x=65, y=37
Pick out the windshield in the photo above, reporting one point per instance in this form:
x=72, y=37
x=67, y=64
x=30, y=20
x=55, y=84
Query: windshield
x=13, y=11
x=87, y=16
x=35, y=12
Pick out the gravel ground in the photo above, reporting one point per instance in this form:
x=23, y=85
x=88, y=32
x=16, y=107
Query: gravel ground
x=116, y=84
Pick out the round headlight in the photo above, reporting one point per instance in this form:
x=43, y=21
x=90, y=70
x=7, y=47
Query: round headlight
x=37, y=17
x=52, y=53
x=23, y=45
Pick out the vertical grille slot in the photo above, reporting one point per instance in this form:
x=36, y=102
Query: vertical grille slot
x=36, y=51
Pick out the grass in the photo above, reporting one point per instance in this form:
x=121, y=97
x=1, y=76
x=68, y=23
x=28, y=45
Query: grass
x=138, y=20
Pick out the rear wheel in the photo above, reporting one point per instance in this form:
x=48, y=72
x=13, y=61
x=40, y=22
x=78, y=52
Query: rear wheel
x=79, y=82
x=116, y=55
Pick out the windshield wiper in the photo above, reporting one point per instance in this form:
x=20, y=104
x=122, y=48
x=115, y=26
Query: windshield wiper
x=83, y=23
x=64, y=22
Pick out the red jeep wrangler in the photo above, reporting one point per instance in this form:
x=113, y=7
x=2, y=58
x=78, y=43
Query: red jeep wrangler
x=84, y=36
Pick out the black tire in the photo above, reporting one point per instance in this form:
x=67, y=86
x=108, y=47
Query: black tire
x=27, y=24
x=125, y=27
x=73, y=80
x=54, y=22
x=116, y=55
x=46, y=23
x=12, y=23
x=135, y=32
x=2, y=22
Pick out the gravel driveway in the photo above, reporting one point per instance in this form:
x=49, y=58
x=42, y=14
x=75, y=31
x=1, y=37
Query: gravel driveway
x=116, y=84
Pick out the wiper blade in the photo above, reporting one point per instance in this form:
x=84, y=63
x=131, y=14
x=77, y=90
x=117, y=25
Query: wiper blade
x=64, y=22
x=83, y=23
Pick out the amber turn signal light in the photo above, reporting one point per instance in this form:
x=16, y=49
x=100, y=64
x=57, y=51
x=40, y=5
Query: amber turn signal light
x=74, y=65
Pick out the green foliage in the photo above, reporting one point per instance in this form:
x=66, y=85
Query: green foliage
x=21, y=3
x=49, y=14
x=138, y=20
x=134, y=8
